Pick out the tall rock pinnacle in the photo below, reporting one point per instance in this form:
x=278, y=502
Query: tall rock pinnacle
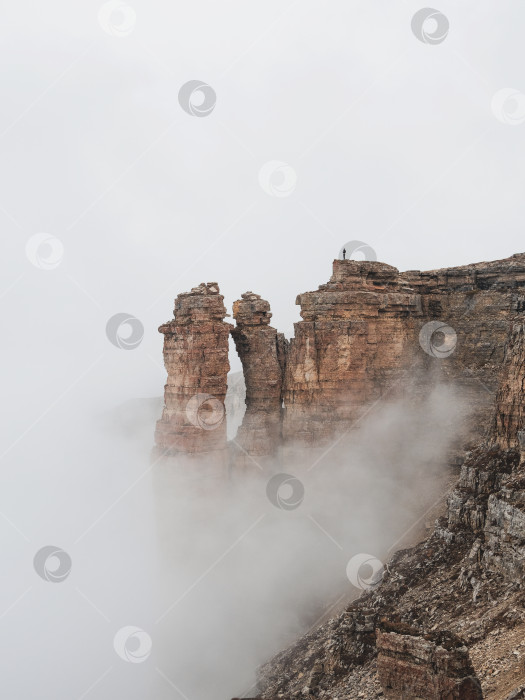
x=196, y=359
x=263, y=355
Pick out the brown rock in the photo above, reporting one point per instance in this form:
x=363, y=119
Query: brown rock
x=510, y=406
x=490, y=496
x=368, y=334
x=360, y=341
x=468, y=576
x=196, y=359
x=349, y=349
x=434, y=667
x=263, y=355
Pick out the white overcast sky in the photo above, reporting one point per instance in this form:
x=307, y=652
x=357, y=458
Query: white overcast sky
x=387, y=140
x=393, y=142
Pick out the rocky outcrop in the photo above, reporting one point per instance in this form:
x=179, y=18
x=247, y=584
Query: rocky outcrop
x=263, y=355
x=435, y=666
x=490, y=497
x=468, y=577
x=510, y=409
x=323, y=659
x=372, y=331
x=351, y=347
x=196, y=359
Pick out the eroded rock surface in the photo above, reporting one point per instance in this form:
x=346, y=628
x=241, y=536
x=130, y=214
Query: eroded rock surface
x=362, y=339
x=466, y=579
x=263, y=355
x=353, y=344
x=370, y=334
x=435, y=666
x=366, y=335
x=196, y=359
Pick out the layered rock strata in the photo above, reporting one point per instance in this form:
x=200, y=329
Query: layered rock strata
x=490, y=497
x=435, y=666
x=196, y=359
x=478, y=302
x=351, y=347
x=466, y=579
x=263, y=355
x=361, y=335
x=510, y=413
x=372, y=331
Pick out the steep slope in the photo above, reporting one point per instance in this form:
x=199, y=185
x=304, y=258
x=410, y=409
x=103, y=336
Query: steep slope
x=466, y=579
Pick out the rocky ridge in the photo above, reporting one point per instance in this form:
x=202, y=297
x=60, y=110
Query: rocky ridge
x=363, y=329
x=359, y=336
x=371, y=333
x=466, y=579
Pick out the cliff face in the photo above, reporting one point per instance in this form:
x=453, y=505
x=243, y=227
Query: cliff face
x=370, y=333
x=465, y=582
x=350, y=348
x=433, y=667
x=196, y=359
x=490, y=497
x=510, y=407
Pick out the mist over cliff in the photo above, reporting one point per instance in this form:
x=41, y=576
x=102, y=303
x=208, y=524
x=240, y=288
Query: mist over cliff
x=360, y=158
x=217, y=578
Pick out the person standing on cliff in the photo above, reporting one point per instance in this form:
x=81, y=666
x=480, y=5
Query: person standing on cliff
x=344, y=253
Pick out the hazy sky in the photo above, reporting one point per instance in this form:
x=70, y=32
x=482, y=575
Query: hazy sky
x=392, y=141
x=384, y=138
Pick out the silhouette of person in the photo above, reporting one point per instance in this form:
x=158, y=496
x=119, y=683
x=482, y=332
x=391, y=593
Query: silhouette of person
x=344, y=253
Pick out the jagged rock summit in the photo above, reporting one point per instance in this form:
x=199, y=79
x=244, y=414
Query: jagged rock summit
x=448, y=618
x=465, y=583
x=368, y=334
x=196, y=359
